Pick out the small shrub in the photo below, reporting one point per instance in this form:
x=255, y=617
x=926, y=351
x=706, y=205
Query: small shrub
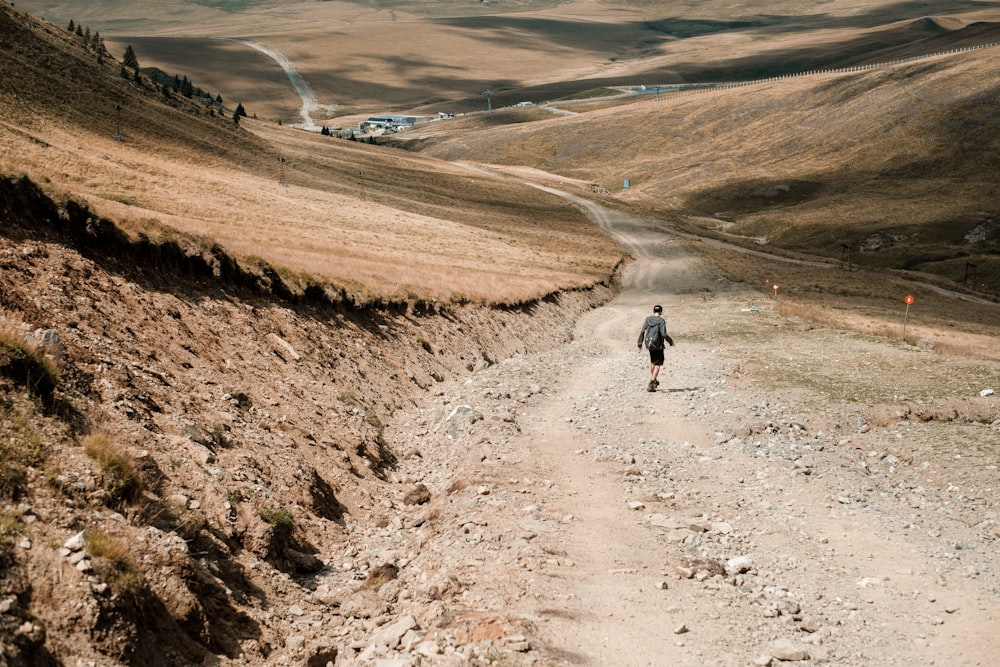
x=26, y=364
x=278, y=517
x=112, y=561
x=380, y=575
x=10, y=528
x=21, y=448
x=190, y=524
x=13, y=481
x=122, y=481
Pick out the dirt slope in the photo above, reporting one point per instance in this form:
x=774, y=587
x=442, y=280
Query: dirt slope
x=366, y=488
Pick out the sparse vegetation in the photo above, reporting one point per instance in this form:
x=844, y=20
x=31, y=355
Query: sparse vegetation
x=380, y=575
x=10, y=529
x=26, y=363
x=112, y=561
x=122, y=481
x=278, y=517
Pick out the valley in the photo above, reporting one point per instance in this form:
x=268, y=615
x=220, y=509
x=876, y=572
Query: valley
x=269, y=397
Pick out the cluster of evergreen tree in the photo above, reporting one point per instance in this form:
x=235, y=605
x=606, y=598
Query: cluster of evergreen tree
x=180, y=85
x=91, y=40
x=184, y=86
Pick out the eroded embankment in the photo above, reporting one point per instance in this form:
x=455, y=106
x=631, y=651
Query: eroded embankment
x=213, y=434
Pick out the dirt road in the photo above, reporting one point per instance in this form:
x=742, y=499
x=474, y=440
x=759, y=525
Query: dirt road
x=776, y=502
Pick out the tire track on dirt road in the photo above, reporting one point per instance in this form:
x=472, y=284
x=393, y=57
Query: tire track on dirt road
x=617, y=456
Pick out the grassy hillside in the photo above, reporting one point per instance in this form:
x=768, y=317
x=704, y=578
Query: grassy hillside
x=903, y=158
x=364, y=221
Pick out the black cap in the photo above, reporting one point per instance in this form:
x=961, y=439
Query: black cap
x=657, y=308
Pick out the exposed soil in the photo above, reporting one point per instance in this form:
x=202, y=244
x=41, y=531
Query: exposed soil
x=324, y=486
x=742, y=514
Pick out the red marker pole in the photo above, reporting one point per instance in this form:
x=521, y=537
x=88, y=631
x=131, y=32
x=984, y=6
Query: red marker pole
x=908, y=299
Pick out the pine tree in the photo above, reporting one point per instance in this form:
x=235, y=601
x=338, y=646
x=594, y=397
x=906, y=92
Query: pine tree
x=240, y=111
x=72, y=26
x=86, y=37
x=218, y=99
x=129, y=59
x=79, y=30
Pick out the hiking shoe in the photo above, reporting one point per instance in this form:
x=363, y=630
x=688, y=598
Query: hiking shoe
x=656, y=383
x=652, y=386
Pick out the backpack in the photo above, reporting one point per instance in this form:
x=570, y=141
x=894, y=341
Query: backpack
x=654, y=335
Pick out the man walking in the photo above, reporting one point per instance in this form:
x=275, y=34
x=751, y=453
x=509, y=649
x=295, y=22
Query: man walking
x=654, y=335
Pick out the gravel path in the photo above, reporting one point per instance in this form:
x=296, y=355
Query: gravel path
x=746, y=513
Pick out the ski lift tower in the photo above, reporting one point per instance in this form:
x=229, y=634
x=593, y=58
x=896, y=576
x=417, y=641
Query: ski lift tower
x=489, y=98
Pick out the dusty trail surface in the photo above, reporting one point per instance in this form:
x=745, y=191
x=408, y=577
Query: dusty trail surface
x=792, y=494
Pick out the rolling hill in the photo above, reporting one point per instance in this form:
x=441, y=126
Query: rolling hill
x=241, y=365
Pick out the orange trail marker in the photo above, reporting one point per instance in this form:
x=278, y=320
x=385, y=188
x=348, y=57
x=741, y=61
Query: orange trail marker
x=908, y=299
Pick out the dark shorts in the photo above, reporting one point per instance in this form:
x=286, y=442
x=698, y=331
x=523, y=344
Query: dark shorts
x=656, y=357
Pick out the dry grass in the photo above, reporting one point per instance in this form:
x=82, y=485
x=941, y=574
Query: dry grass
x=122, y=481
x=24, y=362
x=112, y=561
x=362, y=219
x=944, y=340
x=10, y=528
x=867, y=301
x=372, y=223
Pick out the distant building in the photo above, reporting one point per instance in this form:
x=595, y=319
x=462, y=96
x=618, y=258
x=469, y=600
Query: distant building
x=388, y=123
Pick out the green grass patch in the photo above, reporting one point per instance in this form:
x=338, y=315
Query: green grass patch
x=278, y=517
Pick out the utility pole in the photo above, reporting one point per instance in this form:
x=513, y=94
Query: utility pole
x=970, y=275
x=489, y=98
x=845, y=257
x=118, y=124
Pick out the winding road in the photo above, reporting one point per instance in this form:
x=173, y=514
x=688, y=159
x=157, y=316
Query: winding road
x=304, y=90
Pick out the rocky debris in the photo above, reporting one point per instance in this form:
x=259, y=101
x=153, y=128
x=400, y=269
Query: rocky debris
x=323, y=515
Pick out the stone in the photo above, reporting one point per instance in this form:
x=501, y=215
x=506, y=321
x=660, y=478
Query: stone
x=390, y=635
x=517, y=643
x=76, y=542
x=282, y=348
x=811, y=624
x=427, y=648
x=418, y=495
x=461, y=420
x=739, y=564
x=788, y=651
